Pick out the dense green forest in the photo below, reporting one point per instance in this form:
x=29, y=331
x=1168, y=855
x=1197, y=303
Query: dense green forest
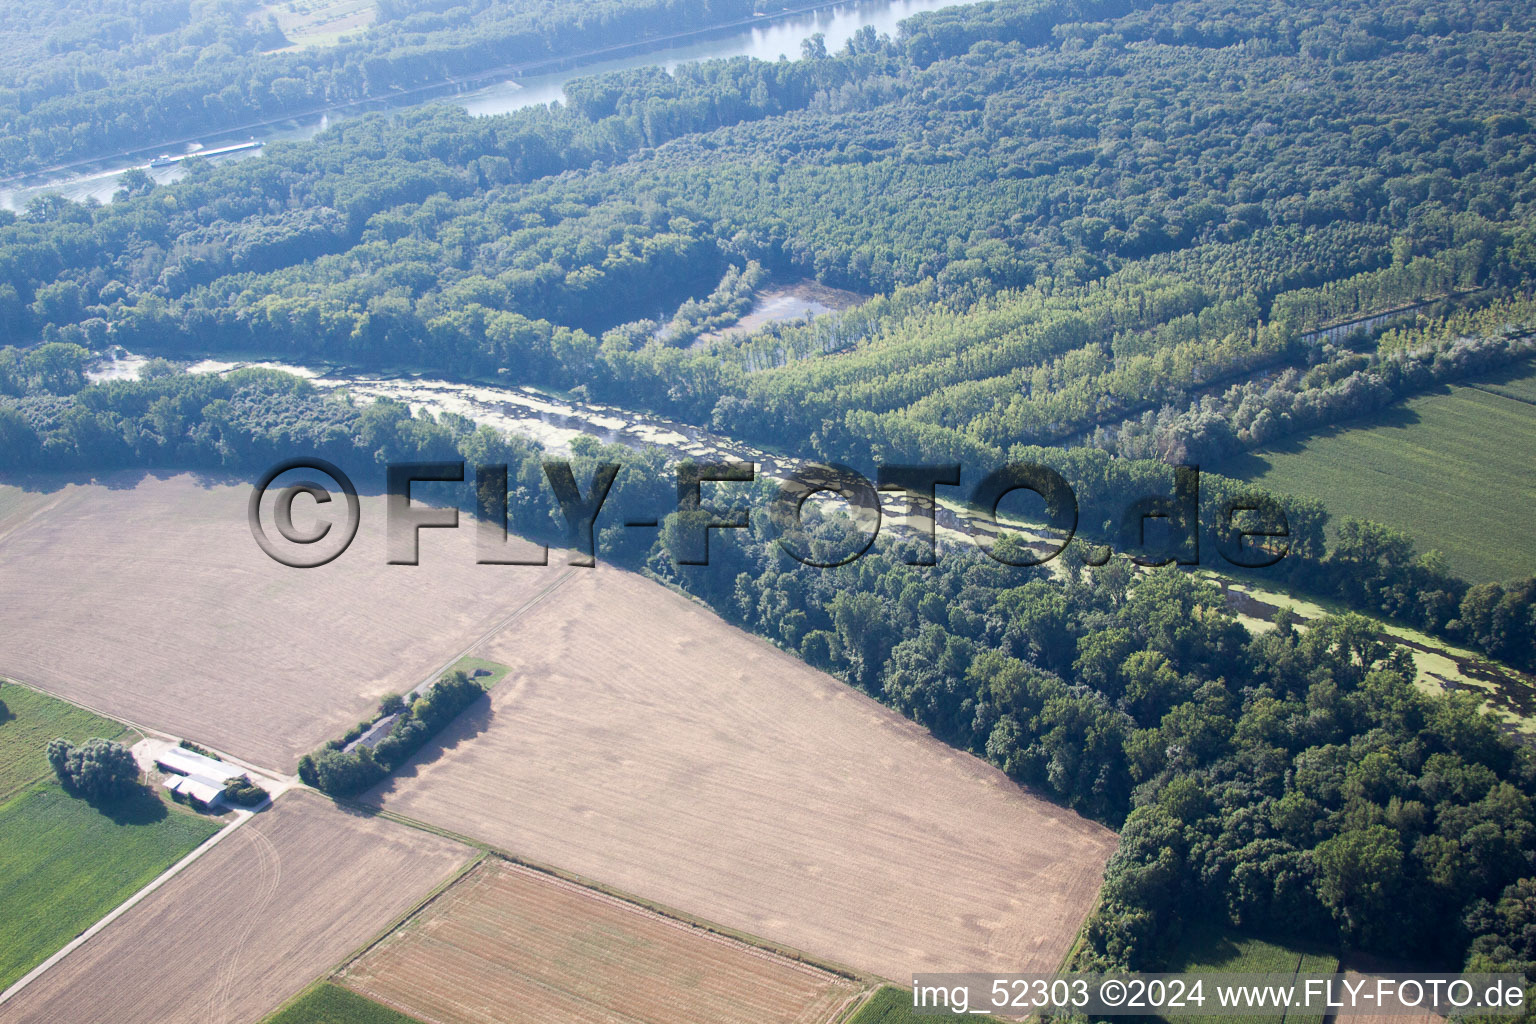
x=1073, y=221
x=1102, y=235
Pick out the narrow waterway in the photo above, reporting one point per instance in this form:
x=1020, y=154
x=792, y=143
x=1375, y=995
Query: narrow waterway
x=775, y=38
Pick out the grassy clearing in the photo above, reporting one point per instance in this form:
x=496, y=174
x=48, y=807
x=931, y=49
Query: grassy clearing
x=28, y=720
x=1448, y=468
x=67, y=863
x=330, y=1004
x=469, y=666
x=319, y=22
x=1222, y=951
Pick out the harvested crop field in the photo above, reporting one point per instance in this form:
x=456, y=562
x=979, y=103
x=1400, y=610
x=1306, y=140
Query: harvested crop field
x=248, y=925
x=149, y=601
x=507, y=945
x=643, y=743
x=1370, y=971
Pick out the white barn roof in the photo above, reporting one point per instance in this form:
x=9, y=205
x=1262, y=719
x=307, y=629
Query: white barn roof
x=205, y=791
x=188, y=762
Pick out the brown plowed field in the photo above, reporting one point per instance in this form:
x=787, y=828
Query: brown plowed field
x=644, y=743
x=150, y=601
x=247, y=926
x=511, y=946
x=1406, y=1015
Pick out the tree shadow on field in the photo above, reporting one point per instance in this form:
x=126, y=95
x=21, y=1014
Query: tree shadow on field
x=366, y=474
x=1251, y=464
x=1210, y=946
x=471, y=722
x=47, y=481
x=6, y=714
x=140, y=807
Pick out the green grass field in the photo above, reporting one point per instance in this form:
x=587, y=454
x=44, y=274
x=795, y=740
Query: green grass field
x=331, y=1004
x=1452, y=469
x=1521, y=389
x=28, y=720
x=1222, y=951
x=469, y=666
x=67, y=863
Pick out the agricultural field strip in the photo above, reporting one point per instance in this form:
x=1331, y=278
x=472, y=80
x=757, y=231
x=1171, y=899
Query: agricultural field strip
x=142, y=730
x=705, y=931
x=597, y=887
x=424, y=947
x=1418, y=476
x=241, y=817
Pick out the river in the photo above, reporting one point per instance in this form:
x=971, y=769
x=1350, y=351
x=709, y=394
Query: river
x=775, y=38
x=556, y=420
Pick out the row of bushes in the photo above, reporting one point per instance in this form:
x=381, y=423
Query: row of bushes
x=242, y=792
x=341, y=772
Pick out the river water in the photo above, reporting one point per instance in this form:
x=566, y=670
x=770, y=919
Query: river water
x=780, y=37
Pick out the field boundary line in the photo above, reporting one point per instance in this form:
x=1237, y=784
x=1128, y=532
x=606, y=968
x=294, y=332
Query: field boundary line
x=1080, y=940
x=501, y=624
x=1485, y=389
x=660, y=909
x=132, y=901
x=438, y=891
x=862, y=987
x=709, y=934
x=853, y=1004
x=297, y=998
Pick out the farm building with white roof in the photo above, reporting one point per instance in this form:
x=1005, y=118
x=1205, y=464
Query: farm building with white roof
x=195, y=775
x=182, y=761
